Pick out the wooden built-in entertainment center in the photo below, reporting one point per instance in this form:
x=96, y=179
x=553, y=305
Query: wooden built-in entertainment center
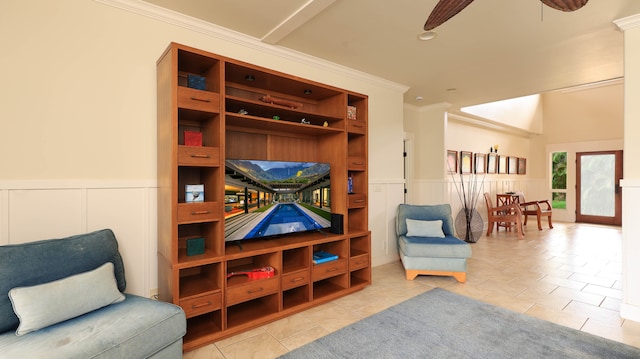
x=226, y=103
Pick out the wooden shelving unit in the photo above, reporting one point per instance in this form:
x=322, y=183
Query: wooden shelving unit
x=237, y=121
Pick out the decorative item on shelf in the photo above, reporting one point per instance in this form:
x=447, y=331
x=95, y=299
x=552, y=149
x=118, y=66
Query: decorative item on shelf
x=194, y=193
x=242, y=111
x=192, y=138
x=468, y=222
x=305, y=122
x=350, y=185
x=276, y=117
x=323, y=257
x=325, y=124
x=258, y=273
x=196, y=82
x=495, y=147
x=195, y=246
x=280, y=101
x=351, y=113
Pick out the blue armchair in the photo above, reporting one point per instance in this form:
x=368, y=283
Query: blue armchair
x=427, y=244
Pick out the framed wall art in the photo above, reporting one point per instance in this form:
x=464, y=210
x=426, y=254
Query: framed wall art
x=522, y=166
x=452, y=161
x=479, y=163
x=492, y=163
x=512, y=163
x=466, y=165
x=502, y=164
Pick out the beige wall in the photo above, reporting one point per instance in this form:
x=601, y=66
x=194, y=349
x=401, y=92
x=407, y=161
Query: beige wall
x=630, y=307
x=78, y=110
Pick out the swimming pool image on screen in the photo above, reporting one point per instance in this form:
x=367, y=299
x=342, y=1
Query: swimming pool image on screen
x=272, y=198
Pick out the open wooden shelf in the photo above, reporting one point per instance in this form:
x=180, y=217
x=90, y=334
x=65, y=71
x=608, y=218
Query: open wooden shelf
x=245, y=111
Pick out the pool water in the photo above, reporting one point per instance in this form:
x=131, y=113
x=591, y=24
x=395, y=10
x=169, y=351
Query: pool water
x=284, y=218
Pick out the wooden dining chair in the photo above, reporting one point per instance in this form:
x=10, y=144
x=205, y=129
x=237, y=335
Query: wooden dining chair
x=539, y=209
x=510, y=215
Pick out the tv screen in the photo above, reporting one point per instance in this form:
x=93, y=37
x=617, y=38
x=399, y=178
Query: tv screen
x=264, y=199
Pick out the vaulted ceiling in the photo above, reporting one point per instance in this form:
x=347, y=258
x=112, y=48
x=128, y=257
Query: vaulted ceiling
x=492, y=50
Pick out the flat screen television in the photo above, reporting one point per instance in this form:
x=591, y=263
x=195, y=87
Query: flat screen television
x=267, y=199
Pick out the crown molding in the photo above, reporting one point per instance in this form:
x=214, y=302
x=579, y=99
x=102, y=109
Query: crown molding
x=628, y=22
x=190, y=23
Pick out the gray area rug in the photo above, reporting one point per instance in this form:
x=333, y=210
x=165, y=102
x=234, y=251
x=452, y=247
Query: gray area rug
x=441, y=324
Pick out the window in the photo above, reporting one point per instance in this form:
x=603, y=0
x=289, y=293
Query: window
x=559, y=180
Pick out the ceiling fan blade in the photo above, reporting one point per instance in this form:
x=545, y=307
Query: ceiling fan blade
x=565, y=5
x=443, y=11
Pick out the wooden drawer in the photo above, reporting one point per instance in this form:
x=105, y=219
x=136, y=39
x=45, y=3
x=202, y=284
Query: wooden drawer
x=356, y=163
x=354, y=126
x=198, y=156
x=198, y=100
x=198, y=212
x=252, y=290
x=357, y=200
x=200, y=305
x=295, y=279
x=358, y=262
x=329, y=269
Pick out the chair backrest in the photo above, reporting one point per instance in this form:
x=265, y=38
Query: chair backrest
x=487, y=200
x=424, y=213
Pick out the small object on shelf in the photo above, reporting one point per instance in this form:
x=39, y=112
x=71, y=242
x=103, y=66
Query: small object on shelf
x=305, y=122
x=258, y=273
x=192, y=138
x=351, y=113
x=276, y=117
x=242, y=111
x=280, y=101
x=350, y=184
x=325, y=124
x=195, y=246
x=194, y=193
x=196, y=82
x=323, y=257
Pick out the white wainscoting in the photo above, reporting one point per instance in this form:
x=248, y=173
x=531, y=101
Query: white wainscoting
x=447, y=191
x=38, y=210
x=31, y=211
x=384, y=198
x=630, y=306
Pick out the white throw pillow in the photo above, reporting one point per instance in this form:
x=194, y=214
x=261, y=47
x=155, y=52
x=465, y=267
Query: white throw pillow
x=416, y=228
x=42, y=305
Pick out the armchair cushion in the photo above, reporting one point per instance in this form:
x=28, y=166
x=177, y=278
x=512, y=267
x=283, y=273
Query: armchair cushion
x=41, y=262
x=417, y=228
x=424, y=213
x=42, y=305
x=446, y=247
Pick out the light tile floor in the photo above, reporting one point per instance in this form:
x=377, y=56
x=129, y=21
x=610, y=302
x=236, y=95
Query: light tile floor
x=570, y=275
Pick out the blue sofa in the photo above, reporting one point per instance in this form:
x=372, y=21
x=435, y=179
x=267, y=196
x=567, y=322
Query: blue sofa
x=427, y=244
x=63, y=298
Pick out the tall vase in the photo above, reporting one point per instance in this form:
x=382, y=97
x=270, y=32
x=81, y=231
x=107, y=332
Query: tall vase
x=469, y=225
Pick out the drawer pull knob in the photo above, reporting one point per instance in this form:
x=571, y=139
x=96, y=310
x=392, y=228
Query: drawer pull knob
x=332, y=269
x=200, y=99
x=358, y=163
x=359, y=200
x=297, y=279
x=195, y=306
x=200, y=212
x=255, y=290
x=199, y=156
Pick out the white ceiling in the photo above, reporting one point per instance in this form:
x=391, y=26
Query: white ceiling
x=493, y=50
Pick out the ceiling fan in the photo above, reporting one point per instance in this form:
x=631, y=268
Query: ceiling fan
x=446, y=9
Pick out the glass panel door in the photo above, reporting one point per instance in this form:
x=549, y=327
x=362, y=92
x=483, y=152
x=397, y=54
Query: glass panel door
x=599, y=198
